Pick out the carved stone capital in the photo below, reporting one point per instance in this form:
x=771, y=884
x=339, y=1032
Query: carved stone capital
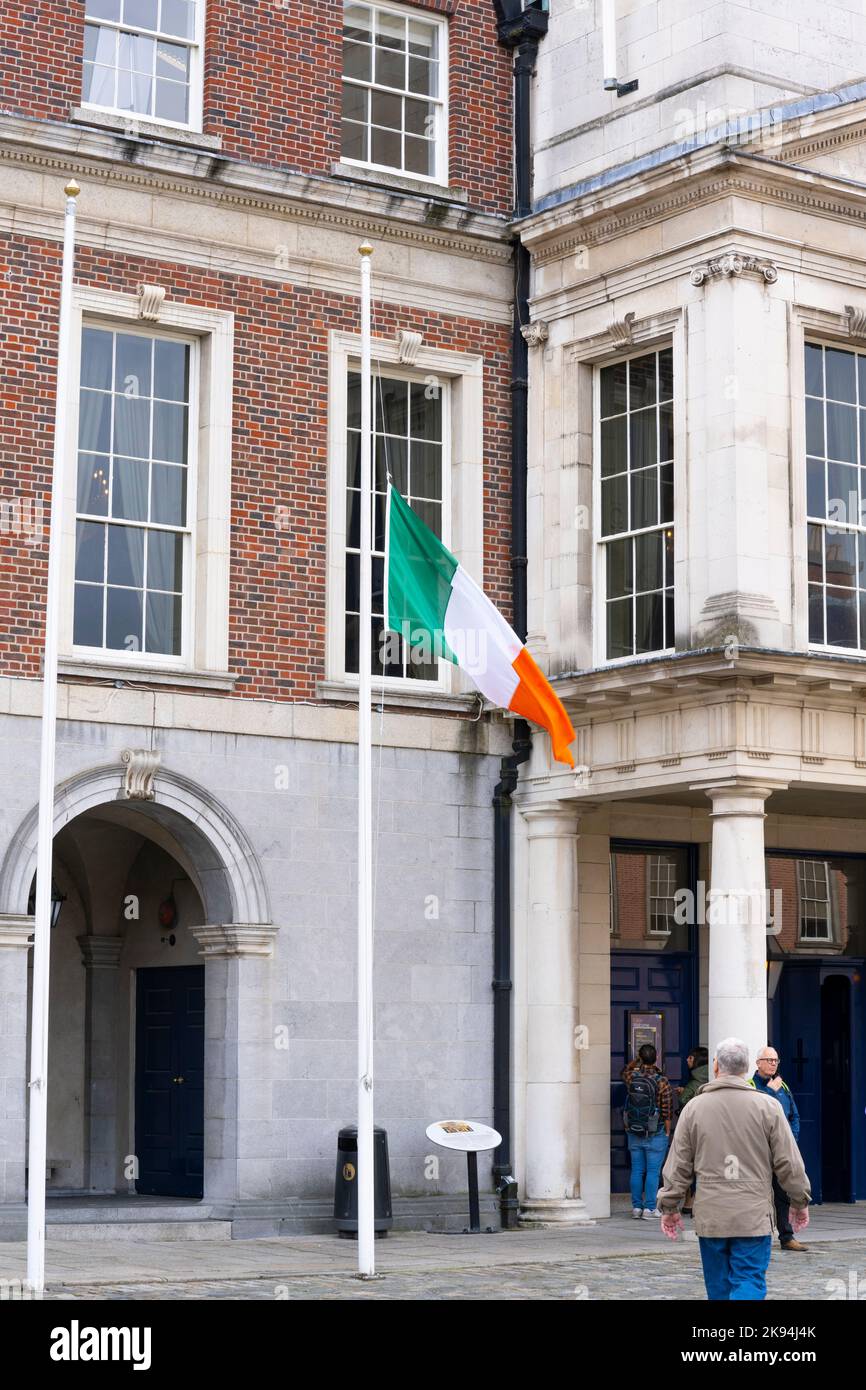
x=141, y=767
x=734, y=264
x=150, y=301
x=236, y=939
x=535, y=334
x=100, y=952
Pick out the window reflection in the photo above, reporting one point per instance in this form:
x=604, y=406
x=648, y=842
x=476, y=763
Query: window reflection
x=650, y=898
x=819, y=905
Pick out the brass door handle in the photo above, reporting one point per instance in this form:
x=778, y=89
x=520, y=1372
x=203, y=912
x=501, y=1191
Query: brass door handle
x=178, y=1080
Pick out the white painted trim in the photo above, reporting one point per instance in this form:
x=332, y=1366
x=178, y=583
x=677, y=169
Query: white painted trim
x=463, y=483
x=599, y=356
x=195, y=45
x=819, y=327
x=441, y=102
x=206, y=609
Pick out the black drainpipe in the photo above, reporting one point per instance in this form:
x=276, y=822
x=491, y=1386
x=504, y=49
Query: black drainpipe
x=519, y=28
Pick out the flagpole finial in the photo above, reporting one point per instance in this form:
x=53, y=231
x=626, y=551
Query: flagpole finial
x=72, y=189
x=365, y=249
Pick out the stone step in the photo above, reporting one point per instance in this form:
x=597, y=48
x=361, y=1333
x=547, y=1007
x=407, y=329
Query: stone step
x=71, y=1213
x=139, y=1230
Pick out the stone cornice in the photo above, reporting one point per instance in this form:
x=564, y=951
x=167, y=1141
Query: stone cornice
x=395, y=214
x=639, y=202
x=752, y=672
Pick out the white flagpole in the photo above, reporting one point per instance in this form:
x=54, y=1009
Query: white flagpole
x=366, y=1234
x=42, y=933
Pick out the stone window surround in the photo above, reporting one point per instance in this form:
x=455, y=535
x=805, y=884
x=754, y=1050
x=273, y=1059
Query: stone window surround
x=835, y=330
x=627, y=338
x=439, y=179
x=207, y=646
x=132, y=119
x=464, y=374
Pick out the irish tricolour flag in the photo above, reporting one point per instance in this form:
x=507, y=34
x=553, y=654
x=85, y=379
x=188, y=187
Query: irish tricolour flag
x=434, y=605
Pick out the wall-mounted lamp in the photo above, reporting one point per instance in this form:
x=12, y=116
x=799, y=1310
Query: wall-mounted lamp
x=57, y=901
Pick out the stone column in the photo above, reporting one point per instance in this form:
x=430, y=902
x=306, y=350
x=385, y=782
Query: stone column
x=551, y=1187
x=15, y=939
x=100, y=956
x=241, y=1139
x=737, y=914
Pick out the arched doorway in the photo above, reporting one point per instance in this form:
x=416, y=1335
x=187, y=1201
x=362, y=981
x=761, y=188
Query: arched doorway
x=159, y=884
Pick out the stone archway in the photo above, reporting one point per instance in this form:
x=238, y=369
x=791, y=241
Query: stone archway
x=229, y=876
x=235, y=939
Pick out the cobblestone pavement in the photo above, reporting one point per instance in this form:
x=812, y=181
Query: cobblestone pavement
x=833, y=1268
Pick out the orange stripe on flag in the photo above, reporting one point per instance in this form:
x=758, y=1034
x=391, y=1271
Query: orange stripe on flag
x=535, y=699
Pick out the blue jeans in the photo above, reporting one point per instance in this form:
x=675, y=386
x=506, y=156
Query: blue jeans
x=735, y=1267
x=647, y=1157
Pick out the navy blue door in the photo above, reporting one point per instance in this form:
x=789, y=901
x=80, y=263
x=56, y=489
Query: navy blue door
x=169, y=1081
x=653, y=982
x=819, y=1035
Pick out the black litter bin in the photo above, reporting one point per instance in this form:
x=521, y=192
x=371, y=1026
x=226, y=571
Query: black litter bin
x=346, y=1183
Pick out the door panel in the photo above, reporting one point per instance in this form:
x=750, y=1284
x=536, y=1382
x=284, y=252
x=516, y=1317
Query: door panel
x=654, y=983
x=799, y=1049
x=169, y=1081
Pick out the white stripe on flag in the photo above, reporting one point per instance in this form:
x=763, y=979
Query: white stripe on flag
x=481, y=639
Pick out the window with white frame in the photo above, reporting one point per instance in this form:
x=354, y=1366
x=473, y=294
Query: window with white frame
x=409, y=446
x=395, y=90
x=133, y=536
x=662, y=874
x=147, y=508
x=813, y=887
x=836, y=496
x=635, y=450
x=143, y=58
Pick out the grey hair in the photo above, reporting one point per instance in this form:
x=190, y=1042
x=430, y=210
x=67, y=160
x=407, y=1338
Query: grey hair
x=732, y=1055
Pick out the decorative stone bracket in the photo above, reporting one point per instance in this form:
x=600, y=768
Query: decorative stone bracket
x=141, y=767
x=150, y=301
x=408, y=345
x=621, y=330
x=733, y=264
x=856, y=321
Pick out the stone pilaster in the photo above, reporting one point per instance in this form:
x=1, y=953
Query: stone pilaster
x=241, y=1139
x=100, y=956
x=16, y=934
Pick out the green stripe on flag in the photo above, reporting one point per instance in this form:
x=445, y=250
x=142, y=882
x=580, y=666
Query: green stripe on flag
x=420, y=570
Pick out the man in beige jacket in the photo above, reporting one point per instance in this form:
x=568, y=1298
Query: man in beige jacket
x=732, y=1139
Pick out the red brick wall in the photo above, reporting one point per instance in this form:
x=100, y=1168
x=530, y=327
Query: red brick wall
x=30, y=84
x=272, y=82
x=277, y=622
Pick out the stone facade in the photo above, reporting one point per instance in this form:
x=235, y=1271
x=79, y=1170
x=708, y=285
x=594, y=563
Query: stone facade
x=733, y=243
x=227, y=781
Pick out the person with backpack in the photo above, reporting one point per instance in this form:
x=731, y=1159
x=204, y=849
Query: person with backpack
x=647, y=1116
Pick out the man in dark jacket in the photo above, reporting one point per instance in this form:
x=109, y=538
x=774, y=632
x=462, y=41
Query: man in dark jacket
x=767, y=1080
